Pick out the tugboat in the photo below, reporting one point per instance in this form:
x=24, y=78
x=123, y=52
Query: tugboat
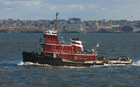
x=57, y=53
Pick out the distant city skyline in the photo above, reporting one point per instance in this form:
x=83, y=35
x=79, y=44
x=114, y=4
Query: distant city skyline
x=84, y=9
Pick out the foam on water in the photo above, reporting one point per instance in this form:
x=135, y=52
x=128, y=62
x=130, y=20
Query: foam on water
x=137, y=63
x=21, y=63
x=96, y=66
x=107, y=65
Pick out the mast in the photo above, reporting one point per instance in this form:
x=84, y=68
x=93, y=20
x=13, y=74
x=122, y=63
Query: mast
x=56, y=21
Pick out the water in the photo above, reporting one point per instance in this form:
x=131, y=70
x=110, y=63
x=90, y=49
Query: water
x=14, y=72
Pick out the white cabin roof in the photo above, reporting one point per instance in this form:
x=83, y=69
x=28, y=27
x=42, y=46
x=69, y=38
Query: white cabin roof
x=50, y=32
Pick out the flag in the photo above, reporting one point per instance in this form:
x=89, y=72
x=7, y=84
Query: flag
x=97, y=45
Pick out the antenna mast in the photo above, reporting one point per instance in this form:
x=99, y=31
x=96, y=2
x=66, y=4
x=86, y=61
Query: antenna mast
x=56, y=20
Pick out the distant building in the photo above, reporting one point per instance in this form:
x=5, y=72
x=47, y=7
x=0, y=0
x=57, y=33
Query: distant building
x=127, y=29
x=75, y=19
x=136, y=29
x=96, y=25
x=118, y=29
x=74, y=27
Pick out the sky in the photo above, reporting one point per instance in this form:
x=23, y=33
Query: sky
x=84, y=9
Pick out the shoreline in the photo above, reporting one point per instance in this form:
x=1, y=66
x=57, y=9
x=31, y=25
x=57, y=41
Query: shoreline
x=38, y=31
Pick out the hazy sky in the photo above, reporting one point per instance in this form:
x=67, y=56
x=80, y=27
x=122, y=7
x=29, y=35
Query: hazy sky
x=84, y=9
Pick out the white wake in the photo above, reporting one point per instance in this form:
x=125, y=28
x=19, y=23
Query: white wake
x=136, y=63
x=21, y=63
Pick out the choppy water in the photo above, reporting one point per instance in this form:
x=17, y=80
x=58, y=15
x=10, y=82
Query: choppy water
x=14, y=72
